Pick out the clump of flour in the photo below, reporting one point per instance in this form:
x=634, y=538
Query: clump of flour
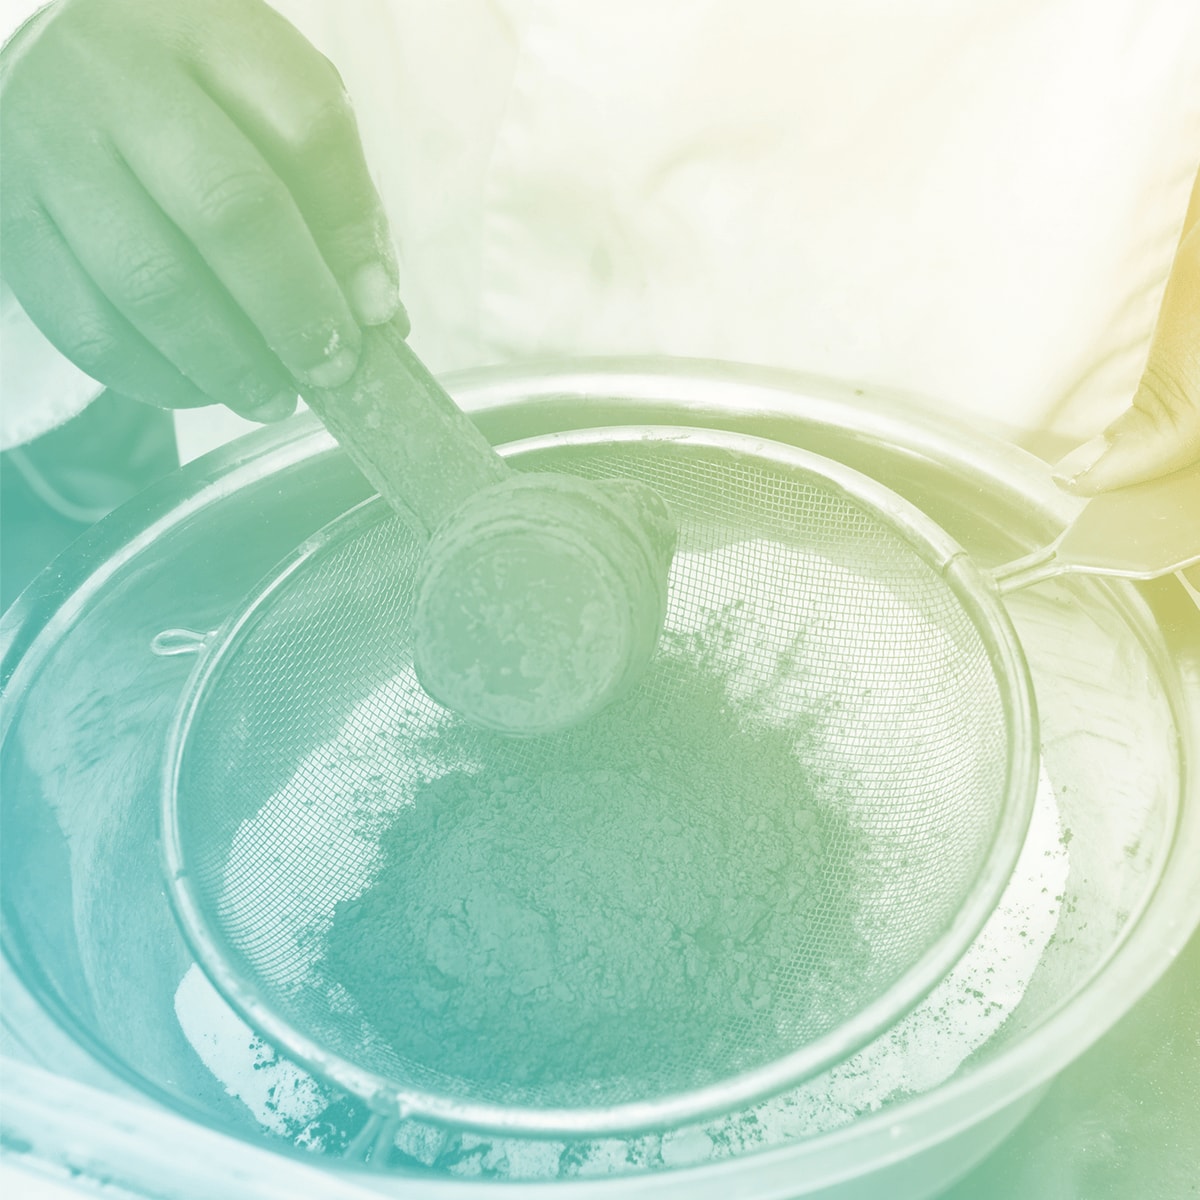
x=633, y=907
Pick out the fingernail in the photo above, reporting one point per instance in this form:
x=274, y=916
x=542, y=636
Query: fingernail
x=334, y=371
x=373, y=294
x=275, y=409
x=1071, y=468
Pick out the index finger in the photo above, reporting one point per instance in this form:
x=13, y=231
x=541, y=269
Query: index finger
x=292, y=104
x=212, y=182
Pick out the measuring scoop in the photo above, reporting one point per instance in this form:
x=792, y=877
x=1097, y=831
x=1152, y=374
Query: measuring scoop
x=541, y=596
x=1139, y=532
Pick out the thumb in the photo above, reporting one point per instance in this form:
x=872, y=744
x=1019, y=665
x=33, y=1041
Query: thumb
x=1160, y=433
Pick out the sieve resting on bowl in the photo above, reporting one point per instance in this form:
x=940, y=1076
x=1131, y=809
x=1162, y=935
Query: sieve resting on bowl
x=846, y=602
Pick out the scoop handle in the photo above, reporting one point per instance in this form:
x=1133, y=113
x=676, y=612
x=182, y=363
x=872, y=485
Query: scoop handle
x=402, y=430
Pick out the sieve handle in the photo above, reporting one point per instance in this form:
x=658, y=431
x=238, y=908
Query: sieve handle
x=421, y=452
x=176, y=643
x=1142, y=531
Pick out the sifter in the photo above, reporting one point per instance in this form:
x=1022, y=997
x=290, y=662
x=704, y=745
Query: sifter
x=900, y=633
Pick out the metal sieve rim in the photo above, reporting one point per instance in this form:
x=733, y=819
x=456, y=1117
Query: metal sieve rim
x=979, y=599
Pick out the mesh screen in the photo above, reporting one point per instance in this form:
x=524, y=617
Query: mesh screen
x=311, y=736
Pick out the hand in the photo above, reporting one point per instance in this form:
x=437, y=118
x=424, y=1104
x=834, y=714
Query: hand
x=186, y=211
x=1160, y=433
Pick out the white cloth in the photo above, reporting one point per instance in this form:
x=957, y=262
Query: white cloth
x=977, y=204
x=39, y=388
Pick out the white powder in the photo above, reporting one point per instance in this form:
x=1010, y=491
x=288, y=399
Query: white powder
x=283, y=851
x=280, y=1094
x=917, y=1054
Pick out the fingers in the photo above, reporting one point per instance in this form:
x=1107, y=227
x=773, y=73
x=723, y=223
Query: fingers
x=227, y=202
x=291, y=103
x=1160, y=432
x=205, y=222
x=151, y=275
x=79, y=320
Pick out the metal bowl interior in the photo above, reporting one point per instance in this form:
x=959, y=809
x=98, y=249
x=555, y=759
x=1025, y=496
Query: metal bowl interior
x=111, y=991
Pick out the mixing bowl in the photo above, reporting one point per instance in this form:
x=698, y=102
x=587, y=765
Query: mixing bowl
x=102, y=988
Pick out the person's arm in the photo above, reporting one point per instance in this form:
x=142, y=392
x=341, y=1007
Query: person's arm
x=186, y=213
x=1160, y=432
x=19, y=17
